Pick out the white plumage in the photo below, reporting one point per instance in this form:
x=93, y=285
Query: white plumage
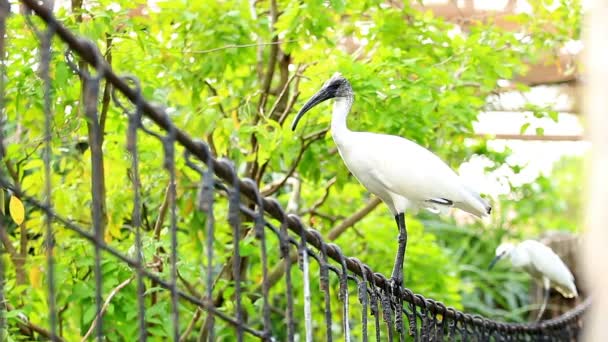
x=404, y=174
x=540, y=262
x=400, y=172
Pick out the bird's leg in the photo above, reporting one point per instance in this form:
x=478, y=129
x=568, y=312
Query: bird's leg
x=397, y=275
x=546, y=290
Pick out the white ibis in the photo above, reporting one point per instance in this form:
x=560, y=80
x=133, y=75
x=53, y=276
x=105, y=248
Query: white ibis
x=541, y=262
x=400, y=172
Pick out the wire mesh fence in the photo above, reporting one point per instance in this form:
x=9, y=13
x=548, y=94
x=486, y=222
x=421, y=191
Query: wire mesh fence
x=370, y=307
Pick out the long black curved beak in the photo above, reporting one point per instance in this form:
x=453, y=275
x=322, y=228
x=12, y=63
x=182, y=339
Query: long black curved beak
x=495, y=260
x=324, y=94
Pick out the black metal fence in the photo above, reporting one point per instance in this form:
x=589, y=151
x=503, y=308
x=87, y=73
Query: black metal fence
x=390, y=315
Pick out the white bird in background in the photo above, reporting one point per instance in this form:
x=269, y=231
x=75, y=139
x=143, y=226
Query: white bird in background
x=400, y=172
x=542, y=264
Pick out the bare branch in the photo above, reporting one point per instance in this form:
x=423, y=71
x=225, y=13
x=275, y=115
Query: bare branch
x=272, y=59
x=532, y=137
x=294, y=98
x=308, y=140
x=25, y=323
x=238, y=46
x=193, y=321
x=214, y=92
x=322, y=200
x=113, y=293
x=18, y=260
x=335, y=232
x=107, y=91
x=191, y=288
x=18, y=257
x=283, y=91
x=162, y=212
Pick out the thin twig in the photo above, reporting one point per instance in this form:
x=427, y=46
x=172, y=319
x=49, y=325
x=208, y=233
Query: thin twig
x=237, y=46
x=197, y=313
x=283, y=91
x=25, y=323
x=215, y=93
x=335, y=232
x=162, y=212
x=193, y=321
x=17, y=257
x=322, y=200
x=272, y=59
x=8, y=245
x=307, y=142
x=113, y=293
x=189, y=286
x=107, y=91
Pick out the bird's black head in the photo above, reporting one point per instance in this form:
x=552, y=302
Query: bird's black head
x=501, y=251
x=336, y=86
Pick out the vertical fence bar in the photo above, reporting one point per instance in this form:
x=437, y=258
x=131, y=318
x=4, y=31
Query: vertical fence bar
x=452, y=326
x=206, y=204
x=343, y=294
x=260, y=233
x=411, y=315
x=374, y=303
x=363, y=298
x=90, y=97
x=303, y=252
x=324, y=284
x=399, y=314
x=169, y=164
x=284, y=246
x=45, y=60
x=134, y=123
x=387, y=314
x=235, y=221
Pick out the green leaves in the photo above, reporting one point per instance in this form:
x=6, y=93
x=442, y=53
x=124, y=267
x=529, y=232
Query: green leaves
x=206, y=62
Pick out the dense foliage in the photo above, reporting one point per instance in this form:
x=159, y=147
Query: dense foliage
x=212, y=64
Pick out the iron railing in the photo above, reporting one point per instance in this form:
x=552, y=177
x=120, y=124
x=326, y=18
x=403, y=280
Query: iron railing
x=392, y=314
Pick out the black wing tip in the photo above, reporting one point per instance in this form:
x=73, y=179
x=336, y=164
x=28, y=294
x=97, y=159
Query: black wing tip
x=489, y=210
x=441, y=201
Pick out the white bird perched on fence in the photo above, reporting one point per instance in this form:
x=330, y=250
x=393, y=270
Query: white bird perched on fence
x=400, y=172
x=542, y=264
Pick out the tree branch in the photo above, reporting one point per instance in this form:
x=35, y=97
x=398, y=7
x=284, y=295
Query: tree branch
x=308, y=140
x=25, y=323
x=237, y=46
x=193, y=321
x=292, y=101
x=105, y=101
x=17, y=257
x=162, y=212
x=272, y=59
x=113, y=293
x=18, y=260
x=214, y=93
x=335, y=232
x=283, y=92
x=322, y=200
x=197, y=313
